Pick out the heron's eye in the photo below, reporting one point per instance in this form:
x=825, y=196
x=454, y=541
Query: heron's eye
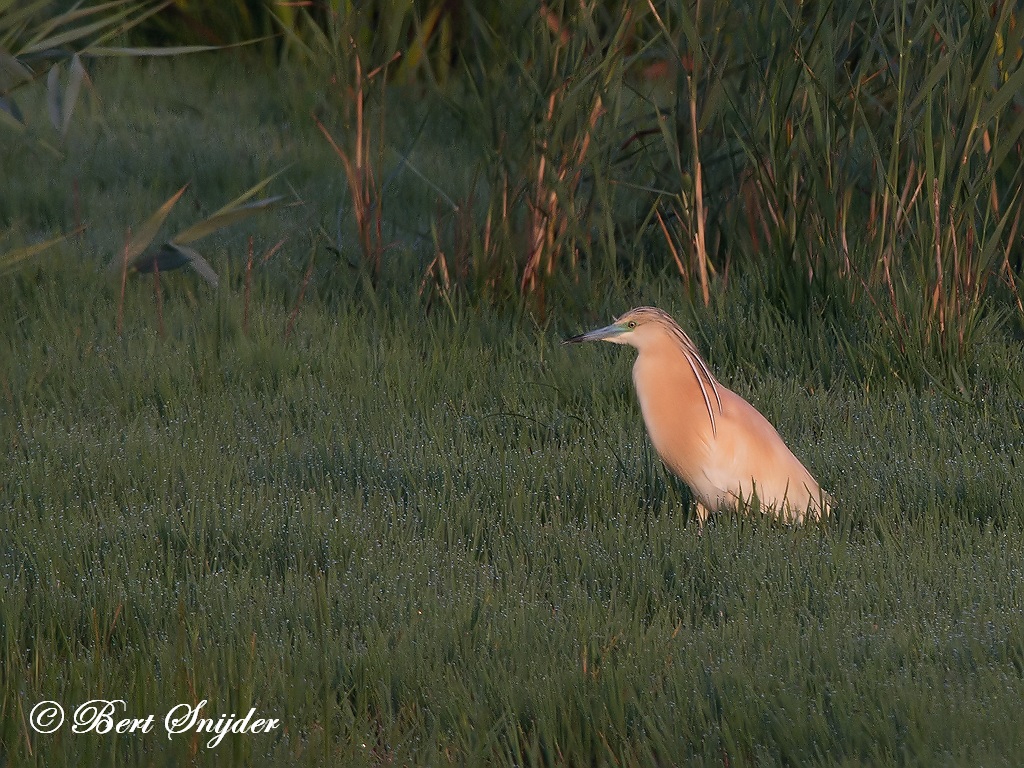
x=631, y=324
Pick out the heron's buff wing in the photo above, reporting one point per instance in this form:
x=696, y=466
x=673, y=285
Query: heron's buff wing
x=750, y=455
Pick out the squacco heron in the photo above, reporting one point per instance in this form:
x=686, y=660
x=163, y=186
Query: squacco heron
x=717, y=442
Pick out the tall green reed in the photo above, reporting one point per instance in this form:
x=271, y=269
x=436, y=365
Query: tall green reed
x=855, y=153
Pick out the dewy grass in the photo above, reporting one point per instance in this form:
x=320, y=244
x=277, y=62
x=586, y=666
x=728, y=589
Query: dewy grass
x=431, y=538
x=434, y=540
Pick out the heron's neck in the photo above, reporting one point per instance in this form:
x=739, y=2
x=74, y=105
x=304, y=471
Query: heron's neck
x=664, y=367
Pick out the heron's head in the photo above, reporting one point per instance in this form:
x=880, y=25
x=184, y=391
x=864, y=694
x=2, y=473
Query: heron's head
x=635, y=328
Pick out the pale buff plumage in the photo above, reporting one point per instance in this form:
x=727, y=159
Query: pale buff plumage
x=717, y=442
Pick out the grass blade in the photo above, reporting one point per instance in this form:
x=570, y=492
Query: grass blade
x=13, y=258
x=223, y=218
x=171, y=256
x=196, y=261
x=147, y=232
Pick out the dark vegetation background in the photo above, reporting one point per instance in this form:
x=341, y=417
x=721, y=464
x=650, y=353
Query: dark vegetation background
x=284, y=421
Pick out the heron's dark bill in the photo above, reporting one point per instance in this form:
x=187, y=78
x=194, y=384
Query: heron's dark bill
x=598, y=334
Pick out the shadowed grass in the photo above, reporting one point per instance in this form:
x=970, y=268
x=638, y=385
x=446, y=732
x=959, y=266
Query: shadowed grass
x=448, y=541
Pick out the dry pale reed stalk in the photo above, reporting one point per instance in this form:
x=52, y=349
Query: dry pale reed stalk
x=124, y=279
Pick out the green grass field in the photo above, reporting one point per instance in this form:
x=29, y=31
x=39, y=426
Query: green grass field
x=432, y=535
